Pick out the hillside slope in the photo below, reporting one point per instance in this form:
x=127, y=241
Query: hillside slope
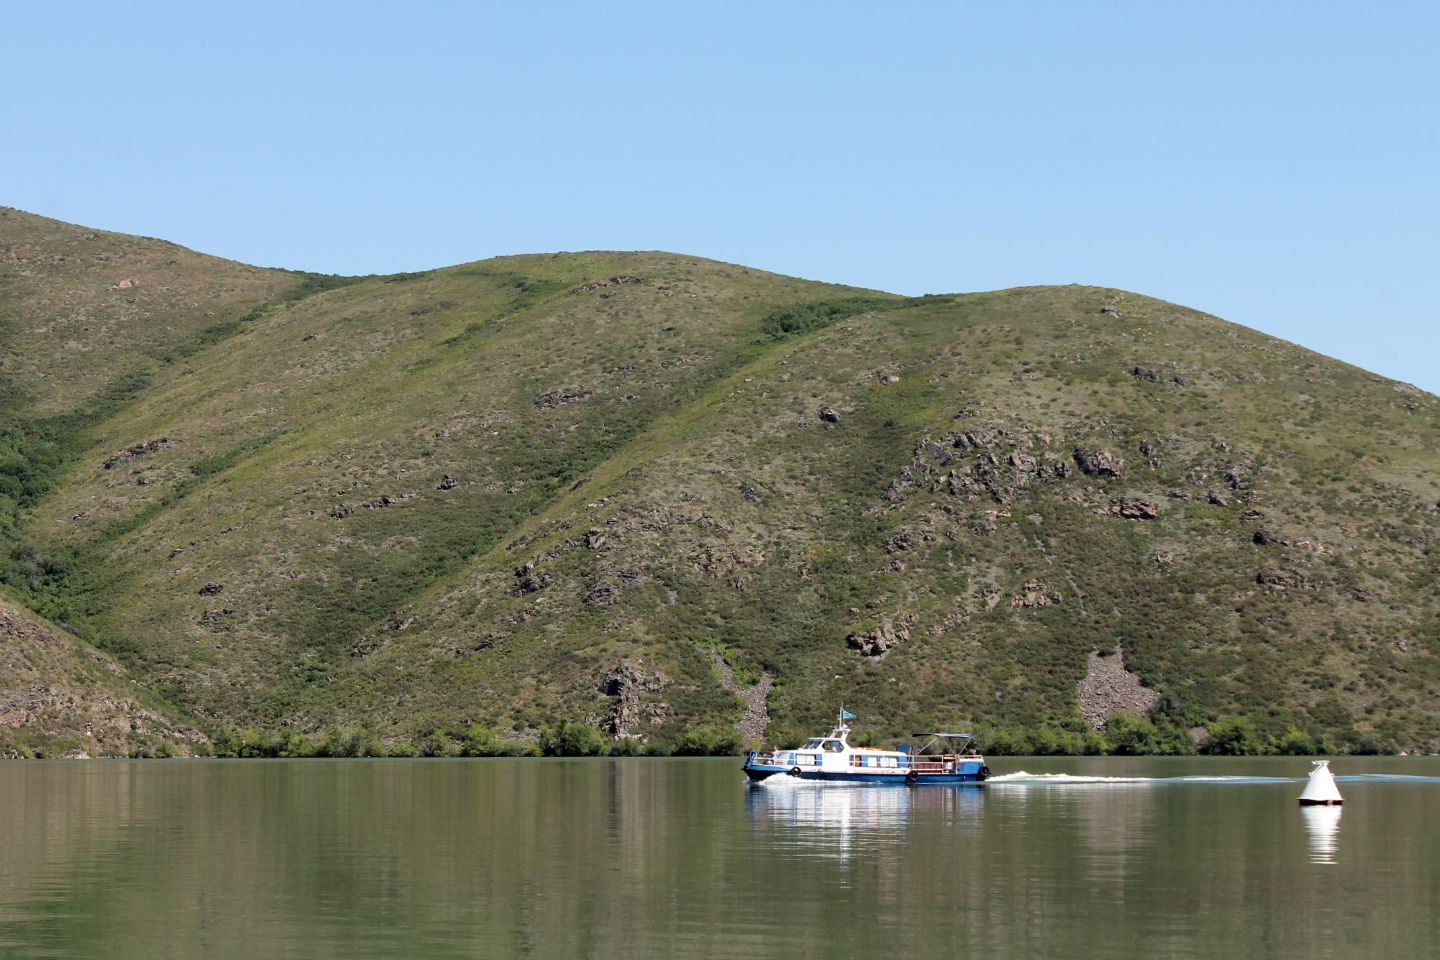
x=608, y=487
x=59, y=697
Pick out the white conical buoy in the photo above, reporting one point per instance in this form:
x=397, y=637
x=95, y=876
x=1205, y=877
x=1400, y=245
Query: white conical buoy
x=1321, y=788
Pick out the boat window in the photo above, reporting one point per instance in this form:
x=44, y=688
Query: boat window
x=811, y=744
x=834, y=746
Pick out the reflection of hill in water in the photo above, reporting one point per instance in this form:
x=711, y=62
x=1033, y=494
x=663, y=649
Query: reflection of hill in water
x=648, y=859
x=57, y=822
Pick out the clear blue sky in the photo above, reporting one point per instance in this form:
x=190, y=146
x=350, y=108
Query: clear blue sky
x=1273, y=163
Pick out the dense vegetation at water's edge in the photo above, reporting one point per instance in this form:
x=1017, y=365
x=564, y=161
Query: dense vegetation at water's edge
x=639, y=502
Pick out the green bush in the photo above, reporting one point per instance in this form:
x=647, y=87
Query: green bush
x=787, y=322
x=223, y=743
x=1129, y=735
x=1371, y=745
x=1172, y=740
x=435, y=744
x=293, y=743
x=1064, y=742
x=481, y=741
x=350, y=742
x=711, y=740
x=1234, y=737
x=627, y=747
x=339, y=742
x=1008, y=742
x=253, y=743
x=1295, y=742
x=572, y=739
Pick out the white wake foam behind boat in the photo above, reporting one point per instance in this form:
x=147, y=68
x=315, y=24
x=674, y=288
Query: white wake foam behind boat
x=1321, y=788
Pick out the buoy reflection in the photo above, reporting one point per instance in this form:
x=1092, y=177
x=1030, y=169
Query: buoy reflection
x=1322, y=824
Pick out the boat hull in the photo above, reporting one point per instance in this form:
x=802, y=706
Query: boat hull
x=758, y=773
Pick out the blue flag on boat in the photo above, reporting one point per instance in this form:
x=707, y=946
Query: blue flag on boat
x=847, y=715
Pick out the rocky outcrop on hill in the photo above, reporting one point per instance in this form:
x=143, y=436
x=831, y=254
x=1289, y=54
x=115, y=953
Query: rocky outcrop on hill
x=607, y=282
x=1154, y=376
x=880, y=640
x=1034, y=594
x=1134, y=509
x=1283, y=579
x=138, y=450
x=1099, y=461
x=558, y=398
x=991, y=461
x=633, y=710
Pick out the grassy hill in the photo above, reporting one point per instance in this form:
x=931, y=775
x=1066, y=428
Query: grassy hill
x=623, y=489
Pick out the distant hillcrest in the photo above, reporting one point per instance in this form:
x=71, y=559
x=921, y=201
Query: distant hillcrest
x=657, y=495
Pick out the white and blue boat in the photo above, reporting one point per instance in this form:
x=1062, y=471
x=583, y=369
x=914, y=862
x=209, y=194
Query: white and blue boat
x=942, y=758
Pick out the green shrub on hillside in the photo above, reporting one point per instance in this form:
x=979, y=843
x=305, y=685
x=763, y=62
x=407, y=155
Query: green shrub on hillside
x=1130, y=735
x=295, y=744
x=436, y=743
x=1296, y=742
x=350, y=742
x=792, y=321
x=627, y=747
x=572, y=739
x=483, y=741
x=1234, y=737
x=1052, y=741
x=711, y=740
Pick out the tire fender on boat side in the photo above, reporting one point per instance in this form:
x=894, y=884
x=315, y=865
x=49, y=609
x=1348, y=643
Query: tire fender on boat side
x=912, y=778
x=984, y=772
x=794, y=771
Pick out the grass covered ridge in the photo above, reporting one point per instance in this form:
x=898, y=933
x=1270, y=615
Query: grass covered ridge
x=544, y=493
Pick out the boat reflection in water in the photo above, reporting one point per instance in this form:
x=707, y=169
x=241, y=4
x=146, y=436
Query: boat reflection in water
x=812, y=819
x=1323, y=826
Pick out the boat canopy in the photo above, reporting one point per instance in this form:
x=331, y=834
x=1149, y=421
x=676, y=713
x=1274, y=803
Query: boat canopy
x=948, y=736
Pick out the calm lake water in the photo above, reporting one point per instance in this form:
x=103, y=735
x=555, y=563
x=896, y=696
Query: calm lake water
x=681, y=858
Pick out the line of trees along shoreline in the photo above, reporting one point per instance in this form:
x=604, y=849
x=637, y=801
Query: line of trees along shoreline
x=1124, y=735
